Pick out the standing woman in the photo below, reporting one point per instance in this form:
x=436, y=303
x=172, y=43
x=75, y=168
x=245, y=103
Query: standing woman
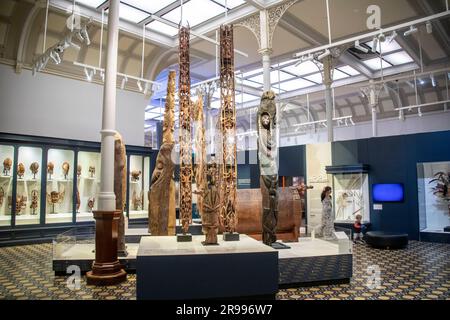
x=327, y=214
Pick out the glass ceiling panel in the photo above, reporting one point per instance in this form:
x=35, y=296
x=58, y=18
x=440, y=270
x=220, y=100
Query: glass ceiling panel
x=349, y=70
x=195, y=12
x=231, y=4
x=375, y=64
x=339, y=75
x=398, y=58
x=295, y=84
x=91, y=3
x=252, y=72
x=162, y=28
x=252, y=84
x=302, y=69
x=151, y=6
x=245, y=97
x=317, y=78
x=129, y=13
x=385, y=46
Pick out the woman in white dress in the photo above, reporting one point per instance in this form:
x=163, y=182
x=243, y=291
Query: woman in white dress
x=327, y=214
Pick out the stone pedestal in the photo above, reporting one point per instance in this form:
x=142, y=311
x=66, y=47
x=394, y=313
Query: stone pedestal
x=106, y=269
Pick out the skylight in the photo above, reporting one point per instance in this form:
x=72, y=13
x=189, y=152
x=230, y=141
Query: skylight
x=295, y=84
x=252, y=84
x=131, y=14
x=162, y=28
x=91, y=3
x=375, y=64
x=349, y=70
x=231, y=4
x=245, y=97
x=252, y=72
x=195, y=12
x=317, y=78
x=302, y=69
x=149, y=6
x=385, y=46
x=398, y=58
x=337, y=75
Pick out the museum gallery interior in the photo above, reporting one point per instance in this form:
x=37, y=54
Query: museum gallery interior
x=224, y=149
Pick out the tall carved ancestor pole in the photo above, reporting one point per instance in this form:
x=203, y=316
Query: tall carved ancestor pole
x=200, y=152
x=120, y=189
x=161, y=196
x=211, y=205
x=228, y=127
x=184, y=93
x=267, y=154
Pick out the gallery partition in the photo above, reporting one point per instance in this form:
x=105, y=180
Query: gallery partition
x=49, y=185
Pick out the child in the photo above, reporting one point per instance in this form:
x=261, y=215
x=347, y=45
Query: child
x=358, y=229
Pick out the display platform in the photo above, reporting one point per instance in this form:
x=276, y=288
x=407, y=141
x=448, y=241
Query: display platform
x=315, y=261
x=167, y=269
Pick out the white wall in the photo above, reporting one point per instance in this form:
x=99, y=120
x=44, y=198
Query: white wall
x=386, y=127
x=54, y=106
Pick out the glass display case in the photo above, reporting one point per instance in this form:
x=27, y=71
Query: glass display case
x=6, y=184
x=350, y=185
x=59, y=178
x=433, y=182
x=139, y=176
x=28, y=189
x=88, y=185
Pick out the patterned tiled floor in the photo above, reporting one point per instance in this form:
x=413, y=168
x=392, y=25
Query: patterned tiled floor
x=422, y=271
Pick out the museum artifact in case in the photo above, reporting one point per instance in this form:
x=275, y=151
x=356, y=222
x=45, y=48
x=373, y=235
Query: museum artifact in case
x=350, y=192
x=6, y=184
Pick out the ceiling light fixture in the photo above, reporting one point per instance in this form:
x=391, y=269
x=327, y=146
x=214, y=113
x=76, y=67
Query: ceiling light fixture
x=374, y=44
x=360, y=47
x=124, y=81
x=429, y=27
x=325, y=54
x=419, y=112
x=411, y=30
x=139, y=85
x=382, y=37
x=433, y=81
x=392, y=37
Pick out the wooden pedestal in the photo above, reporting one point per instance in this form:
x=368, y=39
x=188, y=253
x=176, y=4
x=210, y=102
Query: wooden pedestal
x=106, y=269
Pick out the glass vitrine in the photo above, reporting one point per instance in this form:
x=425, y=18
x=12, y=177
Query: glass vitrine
x=433, y=182
x=350, y=196
x=6, y=184
x=88, y=185
x=28, y=189
x=139, y=174
x=59, y=195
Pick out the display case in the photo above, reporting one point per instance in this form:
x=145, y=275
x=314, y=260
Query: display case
x=433, y=182
x=59, y=185
x=88, y=185
x=6, y=184
x=350, y=185
x=139, y=178
x=28, y=188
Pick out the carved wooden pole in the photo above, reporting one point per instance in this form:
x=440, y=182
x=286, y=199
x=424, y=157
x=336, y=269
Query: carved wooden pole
x=161, y=197
x=200, y=152
x=211, y=206
x=184, y=93
x=228, y=128
x=120, y=189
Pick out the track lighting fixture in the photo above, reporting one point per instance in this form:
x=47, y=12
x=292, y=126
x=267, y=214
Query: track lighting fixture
x=429, y=27
x=325, y=54
x=433, y=81
x=124, y=81
x=391, y=37
x=419, y=112
x=139, y=85
x=374, y=44
x=102, y=75
x=360, y=47
x=382, y=37
x=88, y=74
x=146, y=88
x=401, y=115
x=411, y=30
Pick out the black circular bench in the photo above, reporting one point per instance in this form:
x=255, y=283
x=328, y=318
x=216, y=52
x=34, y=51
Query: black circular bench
x=386, y=240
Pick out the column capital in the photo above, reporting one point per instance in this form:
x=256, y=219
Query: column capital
x=265, y=51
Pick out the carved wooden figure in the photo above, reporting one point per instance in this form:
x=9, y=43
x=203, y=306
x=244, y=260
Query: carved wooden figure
x=211, y=206
x=34, y=201
x=267, y=154
x=161, y=196
x=228, y=215
x=120, y=188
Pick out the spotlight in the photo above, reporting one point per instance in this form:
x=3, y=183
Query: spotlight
x=325, y=54
x=401, y=115
x=360, y=47
x=374, y=44
x=392, y=37
x=382, y=37
x=429, y=27
x=88, y=75
x=351, y=121
x=433, y=81
x=411, y=30
x=146, y=87
x=102, y=75
x=419, y=112
x=124, y=80
x=421, y=82
x=139, y=85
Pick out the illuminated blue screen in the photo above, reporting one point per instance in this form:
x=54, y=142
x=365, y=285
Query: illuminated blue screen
x=387, y=192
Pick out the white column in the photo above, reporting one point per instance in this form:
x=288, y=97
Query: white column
x=266, y=68
x=373, y=106
x=328, y=80
x=106, y=198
